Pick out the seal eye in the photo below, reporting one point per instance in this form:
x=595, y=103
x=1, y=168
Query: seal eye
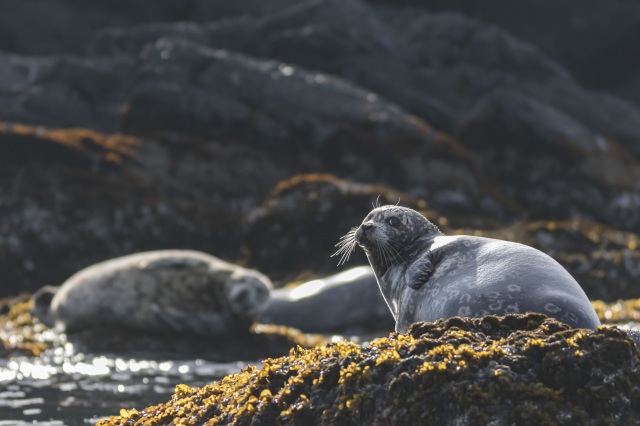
x=393, y=221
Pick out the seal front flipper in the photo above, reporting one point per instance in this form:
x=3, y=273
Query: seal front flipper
x=419, y=272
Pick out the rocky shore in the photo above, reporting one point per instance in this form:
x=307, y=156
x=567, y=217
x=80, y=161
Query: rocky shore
x=260, y=132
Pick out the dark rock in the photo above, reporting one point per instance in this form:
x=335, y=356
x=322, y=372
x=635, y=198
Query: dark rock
x=343, y=38
x=312, y=120
x=64, y=26
x=459, y=64
x=64, y=91
x=524, y=369
x=76, y=197
x=313, y=211
x=547, y=160
x=594, y=40
x=468, y=59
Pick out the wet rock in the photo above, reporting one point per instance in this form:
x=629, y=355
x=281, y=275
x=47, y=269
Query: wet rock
x=513, y=369
x=621, y=311
x=314, y=210
x=19, y=333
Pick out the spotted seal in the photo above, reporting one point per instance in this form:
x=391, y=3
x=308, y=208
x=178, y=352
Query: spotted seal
x=425, y=275
x=168, y=290
x=347, y=302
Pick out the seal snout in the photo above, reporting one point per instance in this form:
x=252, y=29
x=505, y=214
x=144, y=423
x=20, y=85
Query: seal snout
x=364, y=231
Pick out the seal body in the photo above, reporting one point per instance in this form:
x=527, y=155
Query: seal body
x=160, y=291
x=424, y=275
x=343, y=303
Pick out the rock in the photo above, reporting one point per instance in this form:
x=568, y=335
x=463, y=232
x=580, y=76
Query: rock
x=342, y=38
x=463, y=66
x=513, y=369
x=63, y=91
x=621, y=311
x=468, y=59
x=591, y=39
x=73, y=197
x=315, y=210
x=552, y=163
x=329, y=125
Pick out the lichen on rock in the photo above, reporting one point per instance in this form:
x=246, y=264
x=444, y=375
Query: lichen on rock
x=523, y=369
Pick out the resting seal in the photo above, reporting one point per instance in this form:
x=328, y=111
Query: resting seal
x=424, y=275
x=159, y=291
x=343, y=303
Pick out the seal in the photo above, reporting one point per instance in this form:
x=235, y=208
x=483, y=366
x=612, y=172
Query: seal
x=424, y=275
x=347, y=303
x=159, y=291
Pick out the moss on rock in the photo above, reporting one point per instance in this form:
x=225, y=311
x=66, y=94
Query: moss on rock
x=523, y=369
x=616, y=312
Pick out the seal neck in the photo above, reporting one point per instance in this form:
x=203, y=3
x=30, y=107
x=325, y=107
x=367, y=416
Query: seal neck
x=403, y=256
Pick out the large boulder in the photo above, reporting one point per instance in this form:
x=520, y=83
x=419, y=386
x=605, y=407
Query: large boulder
x=313, y=120
x=73, y=197
x=524, y=369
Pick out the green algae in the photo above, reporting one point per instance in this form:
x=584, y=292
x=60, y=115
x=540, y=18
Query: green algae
x=523, y=369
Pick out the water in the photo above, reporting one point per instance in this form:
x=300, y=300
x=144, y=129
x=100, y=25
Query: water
x=60, y=388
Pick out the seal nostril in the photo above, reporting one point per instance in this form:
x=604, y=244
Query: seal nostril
x=366, y=226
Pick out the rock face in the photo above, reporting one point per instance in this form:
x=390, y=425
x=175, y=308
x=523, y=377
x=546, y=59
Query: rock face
x=605, y=58
x=74, y=197
x=501, y=370
x=178, y=124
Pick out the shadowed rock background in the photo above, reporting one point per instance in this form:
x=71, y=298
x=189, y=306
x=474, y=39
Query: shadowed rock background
x=260, y=132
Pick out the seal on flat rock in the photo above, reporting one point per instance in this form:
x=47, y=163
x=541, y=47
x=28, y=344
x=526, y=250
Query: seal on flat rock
x=159, y=291
x=425, y=275
x=347, y=303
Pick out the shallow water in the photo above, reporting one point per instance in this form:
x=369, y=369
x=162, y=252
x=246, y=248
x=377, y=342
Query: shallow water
x=63, y=389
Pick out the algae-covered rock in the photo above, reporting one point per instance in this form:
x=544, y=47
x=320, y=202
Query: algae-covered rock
x=314, y=209
x=522, y=369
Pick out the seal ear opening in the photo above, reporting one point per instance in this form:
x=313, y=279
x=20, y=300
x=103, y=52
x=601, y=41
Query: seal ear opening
x=41, y=304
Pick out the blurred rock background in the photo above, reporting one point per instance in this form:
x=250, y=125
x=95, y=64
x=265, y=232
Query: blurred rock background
x=260, y=132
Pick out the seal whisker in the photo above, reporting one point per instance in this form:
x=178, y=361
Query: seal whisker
x=349, y=235
x=347, y=246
